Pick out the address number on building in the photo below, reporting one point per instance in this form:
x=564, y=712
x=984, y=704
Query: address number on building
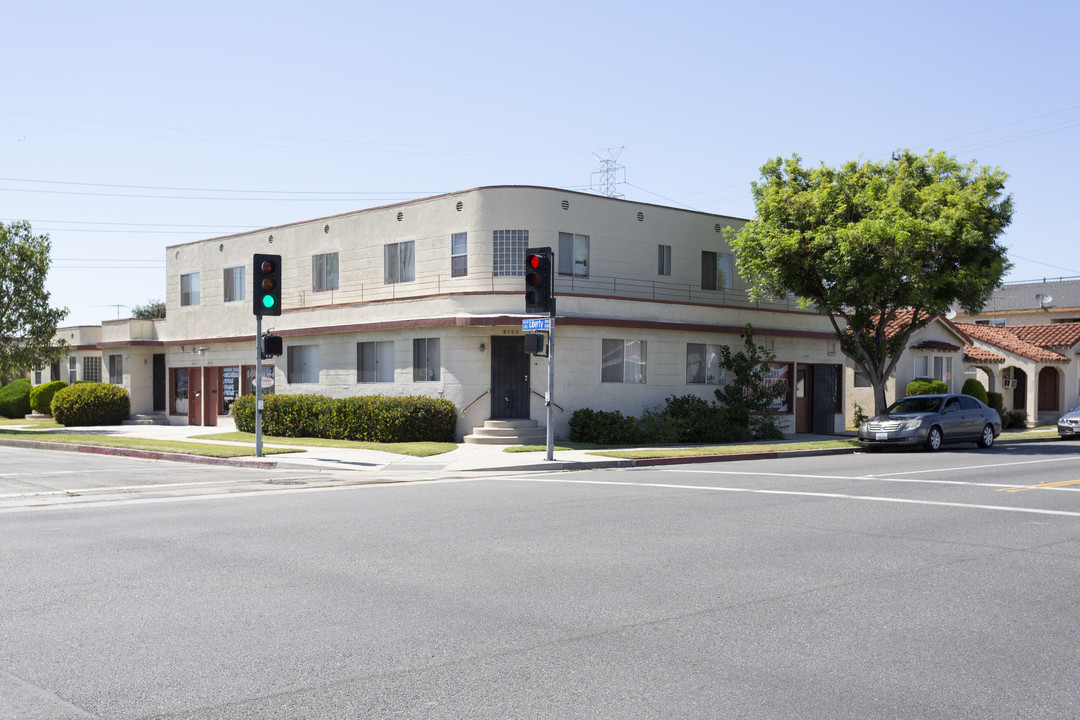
x=536, y=325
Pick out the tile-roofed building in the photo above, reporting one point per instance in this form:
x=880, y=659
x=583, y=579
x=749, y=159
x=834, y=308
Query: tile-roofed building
x=1007, y=338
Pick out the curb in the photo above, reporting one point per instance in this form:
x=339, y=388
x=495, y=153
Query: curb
x=144, y=454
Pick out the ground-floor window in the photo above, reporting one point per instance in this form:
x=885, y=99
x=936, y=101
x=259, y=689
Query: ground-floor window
x=91, y=369
x=180, y=391
x=116, y=369
x=623, y=361
x=303, y=364
x=375, y=362
x=426, y=363
x=938, y=367
x=703, y=364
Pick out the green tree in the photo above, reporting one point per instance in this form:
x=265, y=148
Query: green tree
x=27, y=322
x=881, y=248
x=749, y=392
x=155, y=309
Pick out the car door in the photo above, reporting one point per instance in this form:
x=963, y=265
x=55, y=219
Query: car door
x=953, y=424
x=974, y=415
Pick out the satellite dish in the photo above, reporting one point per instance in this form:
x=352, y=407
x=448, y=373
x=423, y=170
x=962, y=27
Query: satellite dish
x=1043, y=299
x=950, y=313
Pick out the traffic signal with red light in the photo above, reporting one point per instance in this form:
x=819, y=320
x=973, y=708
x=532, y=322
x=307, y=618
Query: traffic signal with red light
x=266, y=285
x=538, y=280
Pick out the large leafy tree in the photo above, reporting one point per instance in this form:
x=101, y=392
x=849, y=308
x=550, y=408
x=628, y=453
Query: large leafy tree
x=27, y=321
x=881, y=248
x=153, y=310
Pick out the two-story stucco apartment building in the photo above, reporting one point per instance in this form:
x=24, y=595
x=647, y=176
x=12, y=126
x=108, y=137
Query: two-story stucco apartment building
x=426, y=297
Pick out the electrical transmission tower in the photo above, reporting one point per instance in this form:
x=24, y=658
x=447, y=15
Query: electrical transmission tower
x=605, y=178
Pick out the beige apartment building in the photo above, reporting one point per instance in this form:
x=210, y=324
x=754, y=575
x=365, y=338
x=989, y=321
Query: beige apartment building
x=427, y=298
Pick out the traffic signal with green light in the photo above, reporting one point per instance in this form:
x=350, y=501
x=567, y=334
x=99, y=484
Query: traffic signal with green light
x=538, y=280
x=266, y=284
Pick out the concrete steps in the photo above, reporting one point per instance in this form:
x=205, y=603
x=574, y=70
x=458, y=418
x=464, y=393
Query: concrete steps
x=508, y=432
x=153, y=419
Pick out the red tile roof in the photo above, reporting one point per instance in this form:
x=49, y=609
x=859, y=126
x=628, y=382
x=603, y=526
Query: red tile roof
x=976, y=354
x=1007, y=339
x=1055, y=335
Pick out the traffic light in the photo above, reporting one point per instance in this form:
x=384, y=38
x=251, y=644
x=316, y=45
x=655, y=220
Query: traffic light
x=271, y=346
x=266, y=285
x=538, y=280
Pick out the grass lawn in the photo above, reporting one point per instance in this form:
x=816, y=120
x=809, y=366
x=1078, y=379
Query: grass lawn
x=131, y=443
x=414, y=449
x=45, y=422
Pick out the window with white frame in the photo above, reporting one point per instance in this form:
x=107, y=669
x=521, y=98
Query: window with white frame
x=703, y=364
x=189, y=289
x=426, y=362
x=459, y=257
x=663, y=260
x=233, y=284
x=399, y=264
x=302, y=364
x=573, y=254
x=623, y=361
x=73, y=370
x=91, y=369
x=938, y=367
x=508, y=252
x=116, y=369
x=324, y=272
x=375, y=362
x=717, y=270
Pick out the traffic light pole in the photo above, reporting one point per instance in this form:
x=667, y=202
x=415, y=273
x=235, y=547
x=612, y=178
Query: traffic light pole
x=550, y=399
x=258, y=386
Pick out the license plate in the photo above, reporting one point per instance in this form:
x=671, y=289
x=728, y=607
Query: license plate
x=881, y=436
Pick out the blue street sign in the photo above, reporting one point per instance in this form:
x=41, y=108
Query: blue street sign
x=536, y=325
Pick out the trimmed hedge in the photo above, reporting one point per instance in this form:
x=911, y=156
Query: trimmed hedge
x=15, y=399
x=975, y=389
x=42, y=395
x=603, y=427
x=997, y=401
x=926, y=386
x=368, y=418
x=91, y=403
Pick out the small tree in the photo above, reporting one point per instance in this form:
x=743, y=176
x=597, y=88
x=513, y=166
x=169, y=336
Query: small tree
x=880, y=248
x=749, y=394
x=153, y=310
x=27, y=322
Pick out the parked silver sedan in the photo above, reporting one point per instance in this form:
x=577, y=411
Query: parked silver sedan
x=931, y=421
x=1069, y=423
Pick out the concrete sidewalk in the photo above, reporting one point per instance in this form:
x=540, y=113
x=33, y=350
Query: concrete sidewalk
x=464, y=460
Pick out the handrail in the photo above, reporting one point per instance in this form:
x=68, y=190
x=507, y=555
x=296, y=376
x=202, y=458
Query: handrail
x=466, y=408
x=544, y=398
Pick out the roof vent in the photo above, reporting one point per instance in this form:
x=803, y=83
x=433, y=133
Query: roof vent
x=565, y=204
x=460, y=205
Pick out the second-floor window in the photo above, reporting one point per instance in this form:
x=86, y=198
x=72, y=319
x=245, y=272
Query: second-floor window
x=189, y=289
x=233, y=284
x=573, y=254
x=399, y=263
x=508, y=252
x=716, y=270
x=459, y=254
x=324, y=272
x=663, y=260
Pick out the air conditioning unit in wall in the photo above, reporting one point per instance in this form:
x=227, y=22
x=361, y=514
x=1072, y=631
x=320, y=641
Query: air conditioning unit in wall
x=1009, y=383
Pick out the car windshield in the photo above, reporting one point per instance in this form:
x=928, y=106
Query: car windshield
x=1075, y=410
x=916, y=404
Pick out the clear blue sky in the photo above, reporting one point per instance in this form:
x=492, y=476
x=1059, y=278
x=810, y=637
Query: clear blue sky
x=126, y=127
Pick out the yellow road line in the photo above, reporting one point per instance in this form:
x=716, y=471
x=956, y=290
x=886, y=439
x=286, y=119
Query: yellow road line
x=1039, y=486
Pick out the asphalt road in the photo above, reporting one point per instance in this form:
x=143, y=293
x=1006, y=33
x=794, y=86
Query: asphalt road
x=891, y=585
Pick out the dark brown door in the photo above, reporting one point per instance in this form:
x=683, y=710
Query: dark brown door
x=211, y=395
x=804, y=383
x=1048, y=390
x=195, y=399
x=509, y=378
x=160, y=390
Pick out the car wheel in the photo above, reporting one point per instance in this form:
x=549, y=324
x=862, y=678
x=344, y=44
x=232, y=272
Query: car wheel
x=987, y=438
x=933, y=439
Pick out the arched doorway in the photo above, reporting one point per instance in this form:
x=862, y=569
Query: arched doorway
x=1048, y=390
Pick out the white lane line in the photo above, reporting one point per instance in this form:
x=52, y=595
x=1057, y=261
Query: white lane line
x=991, y=465
x=126, y=488
x=799, y=493
x=871, y=478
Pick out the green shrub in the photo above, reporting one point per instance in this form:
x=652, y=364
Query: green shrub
x=41, y=396
x=997, y=401
x=694, y=418
x=603, y=428
x=926, y=386
x=15, y=399
x=858, y=415
x=90, y=403
x=657, y=428
x=975, y=389
x=370, y=418
x=1014, y=419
